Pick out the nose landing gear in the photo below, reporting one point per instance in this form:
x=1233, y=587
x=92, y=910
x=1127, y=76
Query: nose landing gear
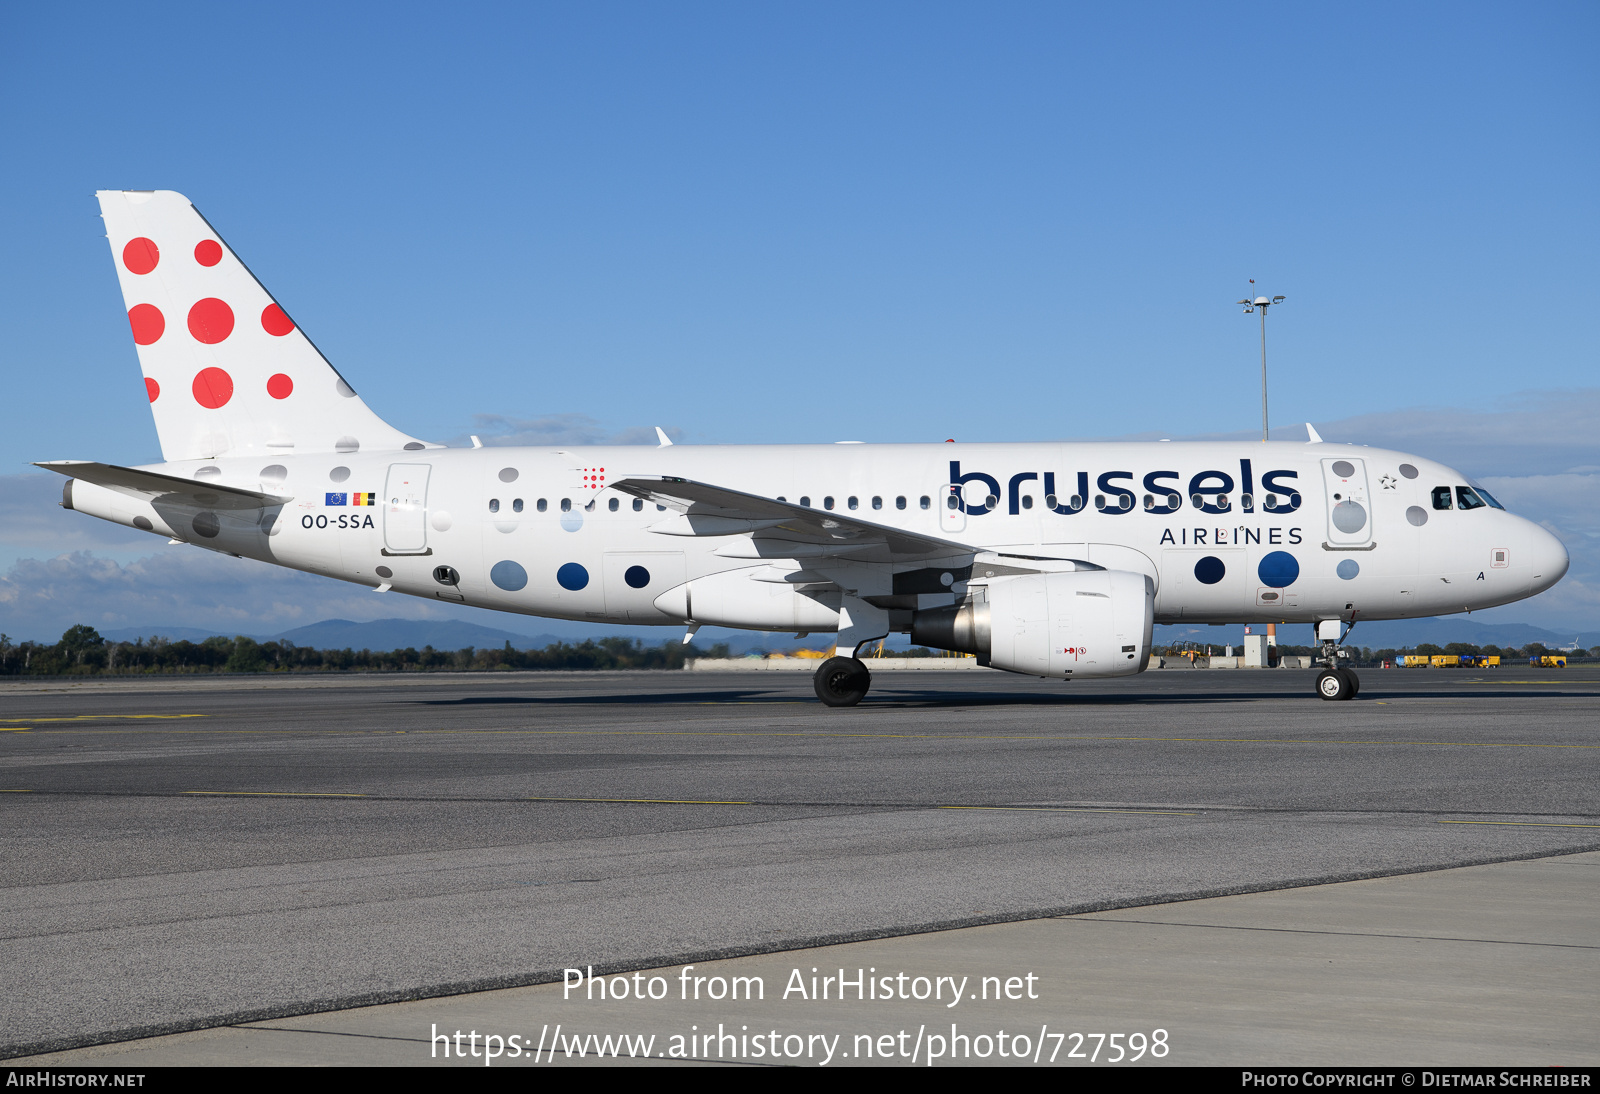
x=1336, y=681
x=841, y=681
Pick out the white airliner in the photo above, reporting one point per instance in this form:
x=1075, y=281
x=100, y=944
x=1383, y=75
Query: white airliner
x=1051, y=560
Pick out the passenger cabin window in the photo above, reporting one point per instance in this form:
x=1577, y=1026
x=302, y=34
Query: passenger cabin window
x=827, y=502
x=877, y=503
x=566, y=505
x=900, y=502
x=638, y=505
x=1441, y=497
x=541, y=505
x=1467, y=498
x=614, y=504
x=516, y=506
x=853, y=503
x=805, y=500
x=927, y=502
x=494, y=505
x=1027, y=501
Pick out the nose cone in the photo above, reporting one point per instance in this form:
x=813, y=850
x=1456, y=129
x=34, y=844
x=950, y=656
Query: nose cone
x=1548, y=558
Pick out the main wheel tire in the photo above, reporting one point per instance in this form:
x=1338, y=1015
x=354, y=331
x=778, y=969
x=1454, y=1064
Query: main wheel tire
x=1332, y=685
x=842, y=681
x=1355, y=681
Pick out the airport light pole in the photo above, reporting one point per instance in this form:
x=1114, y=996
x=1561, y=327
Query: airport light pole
x=1261, y=304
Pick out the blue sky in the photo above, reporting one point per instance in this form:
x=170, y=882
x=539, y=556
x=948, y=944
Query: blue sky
x=884, y=222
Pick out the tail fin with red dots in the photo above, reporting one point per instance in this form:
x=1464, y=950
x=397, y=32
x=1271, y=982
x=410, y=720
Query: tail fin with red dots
x=227, y=371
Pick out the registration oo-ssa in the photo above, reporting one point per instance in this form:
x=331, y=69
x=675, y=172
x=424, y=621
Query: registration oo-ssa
x=1051, y=560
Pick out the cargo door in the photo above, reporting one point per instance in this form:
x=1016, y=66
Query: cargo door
x=405, y=509
x=1348, y=504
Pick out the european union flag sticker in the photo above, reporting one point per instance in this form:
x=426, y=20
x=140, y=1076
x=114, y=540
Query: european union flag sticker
x=337, y=499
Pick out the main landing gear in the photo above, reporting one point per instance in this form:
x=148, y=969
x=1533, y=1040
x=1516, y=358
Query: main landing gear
x=842, y=681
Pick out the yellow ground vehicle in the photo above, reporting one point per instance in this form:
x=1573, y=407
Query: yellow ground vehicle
x=1446, y=660
x=1549, y=661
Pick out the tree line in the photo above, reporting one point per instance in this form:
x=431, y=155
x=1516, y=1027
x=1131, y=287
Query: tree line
x=83, y=652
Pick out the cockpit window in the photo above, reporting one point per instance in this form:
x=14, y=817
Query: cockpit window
x=1485, y=495
x=1468, y=498
x=1441, y=497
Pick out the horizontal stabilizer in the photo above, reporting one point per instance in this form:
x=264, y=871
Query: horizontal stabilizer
x=153, y=486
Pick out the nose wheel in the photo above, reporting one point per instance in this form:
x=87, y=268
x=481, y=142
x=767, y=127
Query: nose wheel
x=1340, y=683
x=842, y=681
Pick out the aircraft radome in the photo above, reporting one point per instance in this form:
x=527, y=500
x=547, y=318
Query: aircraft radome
x=1049, y=559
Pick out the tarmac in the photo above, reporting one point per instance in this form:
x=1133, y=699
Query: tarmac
x=324, y=869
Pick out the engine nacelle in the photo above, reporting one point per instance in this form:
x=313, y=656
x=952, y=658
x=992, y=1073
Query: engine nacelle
x=1080, y=624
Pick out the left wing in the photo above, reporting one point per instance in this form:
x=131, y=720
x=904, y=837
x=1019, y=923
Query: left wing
x=780, y=528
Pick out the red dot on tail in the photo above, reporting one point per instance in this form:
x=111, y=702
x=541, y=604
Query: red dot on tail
x=152, y=389
x=210, y=321
x=274, y=322
x=147, y=322
x=208, y=252
x=141, y=255
x=212, y=388
x=280, y=386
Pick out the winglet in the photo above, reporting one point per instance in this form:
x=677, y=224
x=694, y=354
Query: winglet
x=666, y=441
x=1312, y=436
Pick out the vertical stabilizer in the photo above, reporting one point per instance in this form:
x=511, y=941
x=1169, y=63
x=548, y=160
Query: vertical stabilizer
x=227, y=371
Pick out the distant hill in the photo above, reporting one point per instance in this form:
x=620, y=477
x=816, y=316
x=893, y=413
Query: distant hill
x=453, y=634
x=396, y=634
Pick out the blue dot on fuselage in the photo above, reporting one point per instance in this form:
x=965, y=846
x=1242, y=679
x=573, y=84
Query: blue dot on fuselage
x=572, y=577
x=1348, y=569
x=637, y=577
x=1210, y=570
x=509, y=576
x=1278, y=570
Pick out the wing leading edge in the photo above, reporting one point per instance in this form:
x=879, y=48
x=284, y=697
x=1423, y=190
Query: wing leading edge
x=781, y=528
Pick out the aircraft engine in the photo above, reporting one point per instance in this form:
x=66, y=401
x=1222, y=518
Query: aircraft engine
x=1080, y=624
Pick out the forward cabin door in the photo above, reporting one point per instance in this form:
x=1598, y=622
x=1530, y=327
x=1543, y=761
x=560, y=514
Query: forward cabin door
x=405, y=509
x=1348, y=504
